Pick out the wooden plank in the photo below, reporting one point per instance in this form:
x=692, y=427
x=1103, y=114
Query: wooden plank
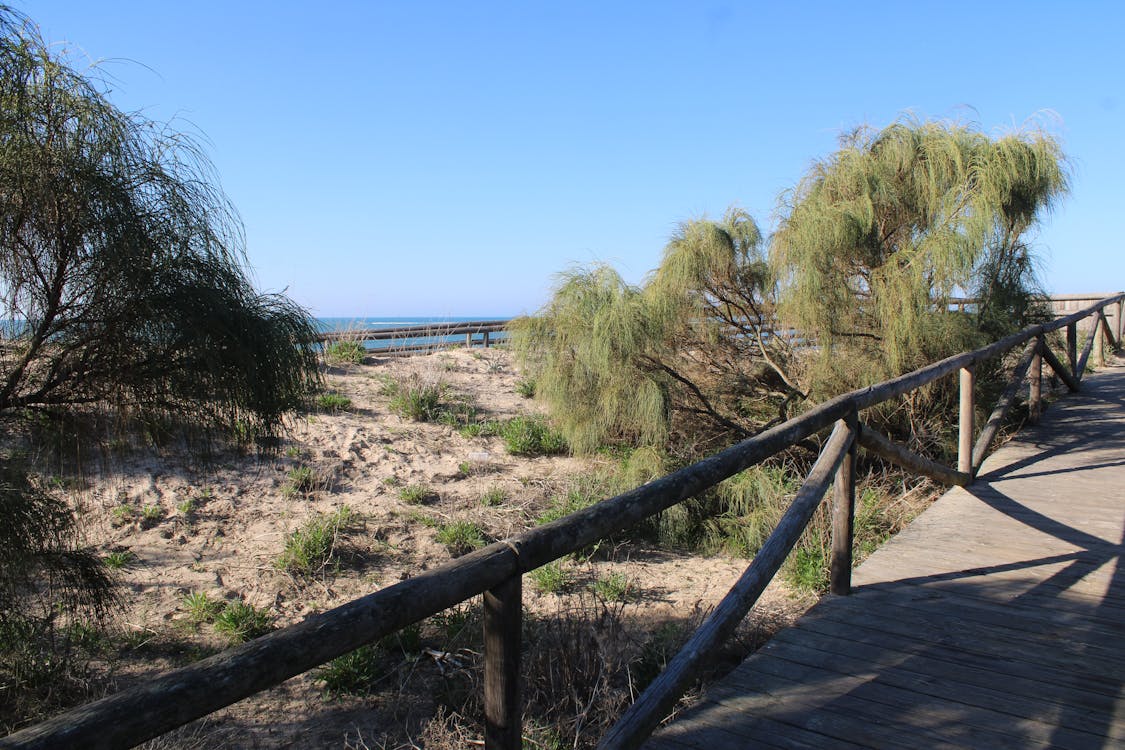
x=843, y=521
x=965, y=422
x=1003, y=405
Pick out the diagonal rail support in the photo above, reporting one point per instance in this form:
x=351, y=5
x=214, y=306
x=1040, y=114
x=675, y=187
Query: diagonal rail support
x=657, y=701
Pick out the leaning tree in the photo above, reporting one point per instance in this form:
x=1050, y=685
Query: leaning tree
x=122, y=276
x=123, y=286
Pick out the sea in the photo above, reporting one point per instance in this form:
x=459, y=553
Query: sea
x=330, y=325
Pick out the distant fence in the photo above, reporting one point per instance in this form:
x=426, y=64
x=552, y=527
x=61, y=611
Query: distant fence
x=423, y=338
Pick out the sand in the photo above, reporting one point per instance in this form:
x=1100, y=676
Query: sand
x=219, y=526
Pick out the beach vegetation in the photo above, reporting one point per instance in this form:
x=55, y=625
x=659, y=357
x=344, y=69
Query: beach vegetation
x=345, y=352
x=333, y=402
x=461, y=537
x=312, y=547
x=532, y=436
x=877, y=239
x=493, y=497
x=241, y=622
x=416, y=494
x=201, y=608
x=550, y=578
x=301, y=480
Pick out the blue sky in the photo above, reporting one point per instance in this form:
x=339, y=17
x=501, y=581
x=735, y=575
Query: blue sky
x=448, y=158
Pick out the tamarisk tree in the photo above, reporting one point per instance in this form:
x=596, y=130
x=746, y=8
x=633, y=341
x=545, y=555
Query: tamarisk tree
x=122, y=275
x=685, y=359
x=122, y=286
x=878, y=237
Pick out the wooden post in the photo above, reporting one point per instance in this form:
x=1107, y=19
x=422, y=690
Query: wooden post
x=1035, y=385
x=1120, y=323
x=965, y=429
x=1099, y=339
x=1072, y=348
x=503, y=610
x=485, y=334
x=843, y=517
x=469, y=340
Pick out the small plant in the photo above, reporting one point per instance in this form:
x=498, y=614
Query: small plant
x=488, y=428
x=123, y=514
x=292, y=451
x=119, y=559
x=333, y=402
x=151, y=515
x=613, y=587
x=532, y=436
x=301, y=481
x=461, y=537
x=202, y=608
x=392, y=481
x=311, y=548
x=493, y=496
x=186, y=508
x=241, y=622
x=525, y=387
x=550, y=579
x=414, y=399
x=415, y=494
x=345, y=352
x=354, y=673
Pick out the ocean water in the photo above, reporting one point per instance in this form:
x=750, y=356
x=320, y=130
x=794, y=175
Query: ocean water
x=384, y=322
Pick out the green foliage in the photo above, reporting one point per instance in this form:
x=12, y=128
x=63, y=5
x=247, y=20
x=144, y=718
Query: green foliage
x=415, y=494
x=612, y=587
x=685, y=356
x=354, y=673
x=241, y=622
x=531, y=436
x=525, y=387
x=48, y=581
x=345, y=352
x=119, y=559
x=878, y=237
x=550, y=578
x=415, y=399
x=311, y=548
x=461, y=537
x=301, y=481
x=488, y=428
x=493, y=496
x=333, y=402
x=201, y=608
x=124, y=262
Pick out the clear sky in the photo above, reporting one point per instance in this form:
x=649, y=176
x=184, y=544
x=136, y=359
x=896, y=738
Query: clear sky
x=448, y=158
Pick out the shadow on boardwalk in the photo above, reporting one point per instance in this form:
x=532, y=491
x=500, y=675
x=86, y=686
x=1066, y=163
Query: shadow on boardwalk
x=994, y=621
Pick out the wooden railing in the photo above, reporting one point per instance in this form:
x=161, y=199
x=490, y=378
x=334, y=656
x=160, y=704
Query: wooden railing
x=179, y=696
x=421, y=338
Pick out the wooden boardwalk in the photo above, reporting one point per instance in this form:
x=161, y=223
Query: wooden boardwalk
x=996, y=620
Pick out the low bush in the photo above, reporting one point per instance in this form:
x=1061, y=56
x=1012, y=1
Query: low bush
x=241, y=622
x=345, y=352
x=312, y=547
x=532, y=436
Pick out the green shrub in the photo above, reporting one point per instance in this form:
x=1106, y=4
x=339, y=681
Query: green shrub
x=202, y=608
x=345, y=352
x=531, y=436
x=550, y=579
x=613, y=587
x=461, y=537
x=241, y=622
x=119, y=560
x=493, y=496
x=301, y=481
x=415, y=494
x=488, y=428
x=311, y=548
x=354, y=673
x=333, y=402
x=415, y=399
x=525, y=387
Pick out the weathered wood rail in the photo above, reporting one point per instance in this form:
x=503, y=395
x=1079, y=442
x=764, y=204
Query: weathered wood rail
x=177, y=697
x=423, y=337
